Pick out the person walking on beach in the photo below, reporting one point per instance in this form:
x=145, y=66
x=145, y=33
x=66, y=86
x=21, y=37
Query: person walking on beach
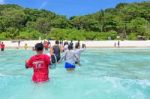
x=2, y=46
x=19, y=44
x=70, y=58
x=118, y=43
x=40, y=64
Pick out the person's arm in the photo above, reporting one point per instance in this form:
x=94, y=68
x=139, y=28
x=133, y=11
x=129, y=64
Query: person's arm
x=28, y=63
x=61, y=49
x=51, y=51
x=76, y=57
x=48, y=60
x=63, y=57
x=82, y=50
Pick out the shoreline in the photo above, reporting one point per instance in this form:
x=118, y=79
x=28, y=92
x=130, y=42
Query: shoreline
x=89, y=44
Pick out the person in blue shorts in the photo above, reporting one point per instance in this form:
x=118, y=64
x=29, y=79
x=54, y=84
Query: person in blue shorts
x=70, y=58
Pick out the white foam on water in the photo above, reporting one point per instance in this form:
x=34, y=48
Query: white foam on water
x=138, y=95
x=144, y=83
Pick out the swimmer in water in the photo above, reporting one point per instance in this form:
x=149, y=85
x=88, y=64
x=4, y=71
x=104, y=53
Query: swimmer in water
x=70, y=59
x=40, y=63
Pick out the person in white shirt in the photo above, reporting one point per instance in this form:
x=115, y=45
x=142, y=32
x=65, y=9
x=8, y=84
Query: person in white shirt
x=78, y=52
x=66, y=46
x=70, y=58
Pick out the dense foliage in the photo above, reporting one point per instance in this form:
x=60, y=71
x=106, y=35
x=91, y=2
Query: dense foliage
x=129, y=21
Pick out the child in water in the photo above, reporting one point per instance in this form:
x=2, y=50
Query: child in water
x=70, y=59
x=26, y=46
x=40, y=63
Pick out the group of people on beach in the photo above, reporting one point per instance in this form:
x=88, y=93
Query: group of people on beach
x=41, y=62
x=2, y=46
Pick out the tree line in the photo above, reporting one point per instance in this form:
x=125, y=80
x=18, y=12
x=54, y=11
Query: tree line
x=128, y=21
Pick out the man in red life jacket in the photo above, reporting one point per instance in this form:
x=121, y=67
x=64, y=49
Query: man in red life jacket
x=40, y=64
x=2, y=46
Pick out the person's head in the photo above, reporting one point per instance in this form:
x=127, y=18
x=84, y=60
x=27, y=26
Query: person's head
x=66, y=43
x=39, y=48
x=77, y=46
x=57, y=42
x=70, y=47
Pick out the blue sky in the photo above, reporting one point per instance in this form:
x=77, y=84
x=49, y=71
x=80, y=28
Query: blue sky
x=68, y=7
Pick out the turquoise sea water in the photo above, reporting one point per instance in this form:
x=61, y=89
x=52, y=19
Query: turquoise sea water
x=104, y=74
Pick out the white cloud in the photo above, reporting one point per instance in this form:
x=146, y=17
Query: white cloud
x=2, y=1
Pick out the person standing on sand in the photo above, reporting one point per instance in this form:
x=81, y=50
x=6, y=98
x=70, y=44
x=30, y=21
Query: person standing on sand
x=118, y=43
x=19, y=44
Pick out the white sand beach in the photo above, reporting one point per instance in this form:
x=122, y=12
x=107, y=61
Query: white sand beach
x=89, y=44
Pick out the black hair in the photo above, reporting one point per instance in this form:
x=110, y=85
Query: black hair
x=61, y=42
x=39, y=47
x=65, y=43
x=70, y=47
x=57, y=42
